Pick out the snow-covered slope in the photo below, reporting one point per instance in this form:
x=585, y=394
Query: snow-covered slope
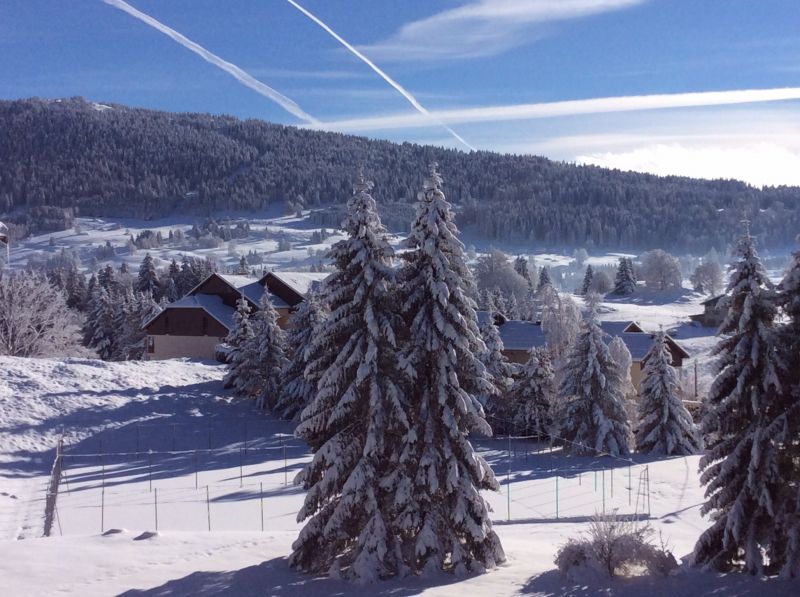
x=40, y=397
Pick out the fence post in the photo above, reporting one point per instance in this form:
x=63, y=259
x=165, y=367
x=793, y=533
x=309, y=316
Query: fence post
x=240, y=467
x=629, y=485
x=285, y=465
x=261, y=500
x=508, y=481
x=604, y=491
x=647, y=468
x=208, y=509
x=102, y=510
x=155, y=505
x=556, y=496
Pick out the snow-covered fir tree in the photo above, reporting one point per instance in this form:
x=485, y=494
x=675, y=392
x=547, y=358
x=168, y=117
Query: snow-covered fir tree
x=522, y=268
x=592, y=416
x=356, y=422
x=512, y=307
x=586, y=285
x=100, y=324
x=787, y=549
x=544, y=280
x=742, y=428
x=298, y=389
x=441, y=511
x=147, y=280
x=497, y=407
x=241, y=376
x=665, y=426
x=531, y=395
x=625, y=280
x=561, y=318
x=266, y=350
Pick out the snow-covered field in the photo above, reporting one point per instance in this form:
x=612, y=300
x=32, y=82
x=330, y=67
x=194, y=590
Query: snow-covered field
x=179, y=407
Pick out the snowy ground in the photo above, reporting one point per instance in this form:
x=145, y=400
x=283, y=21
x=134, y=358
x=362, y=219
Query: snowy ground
x=179, y=407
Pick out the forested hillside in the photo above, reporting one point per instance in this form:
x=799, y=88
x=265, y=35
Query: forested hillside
x=113, y=160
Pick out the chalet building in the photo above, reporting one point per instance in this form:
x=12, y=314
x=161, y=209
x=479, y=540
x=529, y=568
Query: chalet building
x=714, y=311
x=194, y=325
x=520, y=336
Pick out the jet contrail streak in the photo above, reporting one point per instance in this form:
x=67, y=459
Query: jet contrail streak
x=237, y=73
x=411, y=99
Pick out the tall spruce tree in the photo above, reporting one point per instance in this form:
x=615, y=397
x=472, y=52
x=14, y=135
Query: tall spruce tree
x=531, y=395
x=266, y=350
x=787, y=552
x=298, y=389
x=101, y=330
x=592, y=415
x=741, y=469
x=625, y=280
x=586, y=285
x=665, y=426
x=442, y=512
x=357, y=420
x=544, y=280
x=240, y=376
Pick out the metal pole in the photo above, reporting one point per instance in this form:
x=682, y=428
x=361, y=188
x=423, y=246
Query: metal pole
x=695, y=380
x=102, y=509
x=556, y=497
x=508, y=481
x=604, y=491
x=261, y=499
x=208, y=509
x=155, y=505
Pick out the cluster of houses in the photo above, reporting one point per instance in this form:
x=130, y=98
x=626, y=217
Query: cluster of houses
x=196, y=325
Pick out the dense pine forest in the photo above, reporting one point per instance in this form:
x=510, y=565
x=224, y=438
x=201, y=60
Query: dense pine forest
x=67, y=157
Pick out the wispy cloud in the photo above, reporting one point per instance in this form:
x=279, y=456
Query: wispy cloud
x=484, y=28
x=601, y=105
x=380, y=72
x=237, y=73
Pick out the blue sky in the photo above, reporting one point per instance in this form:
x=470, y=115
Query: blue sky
x=500, y=74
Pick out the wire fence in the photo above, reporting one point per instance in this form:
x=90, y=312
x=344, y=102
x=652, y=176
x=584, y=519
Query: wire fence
x=232, y=477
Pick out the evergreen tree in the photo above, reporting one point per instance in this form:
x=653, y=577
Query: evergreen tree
x=358, y=417
x=170, y=291
x=497, y=406
x=544, y=280
x=441, y=510
x=107, y=279
x=512, y=307
x=101, y=325
x=665, y=426
x=787, y=552
x=147, y=281
x=241, y=375
x=297, y=388
x=531, y=395
x=625, y=281
x=521, y=267
x=741, y=469
x=266, y=351
x=593, y=418
x=586, y=285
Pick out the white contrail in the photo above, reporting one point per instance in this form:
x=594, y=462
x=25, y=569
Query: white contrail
x=411, y=99
x=237, y=73
x=600, y=105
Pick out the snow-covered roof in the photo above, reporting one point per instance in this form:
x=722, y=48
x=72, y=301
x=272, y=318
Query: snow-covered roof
x=210, y=303
x=300, y=281
x=524, y=335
